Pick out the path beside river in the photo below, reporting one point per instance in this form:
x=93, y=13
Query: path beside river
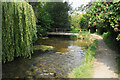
x=105, y=65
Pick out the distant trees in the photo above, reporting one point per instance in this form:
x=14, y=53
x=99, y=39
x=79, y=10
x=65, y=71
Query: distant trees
x=75, y=20
x=43, y=18
x=79, y=21
x=59, y=14
x=51, y=15
x=84, y=21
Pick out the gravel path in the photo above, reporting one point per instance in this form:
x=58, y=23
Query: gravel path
x=105, y=65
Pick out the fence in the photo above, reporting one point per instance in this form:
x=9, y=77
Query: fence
x=67, y=30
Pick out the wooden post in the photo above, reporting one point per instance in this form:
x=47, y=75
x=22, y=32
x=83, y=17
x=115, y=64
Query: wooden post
x=89, y=30
x=73, y=31
x=96, y=30
x=80, y=30
x=56, y=30
x=64, y=29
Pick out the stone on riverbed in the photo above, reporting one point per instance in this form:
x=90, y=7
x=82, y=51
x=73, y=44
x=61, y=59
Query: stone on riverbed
x=58, y=53
x=45, y=38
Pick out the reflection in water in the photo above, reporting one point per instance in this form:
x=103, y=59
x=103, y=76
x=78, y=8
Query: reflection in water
x=68, y=55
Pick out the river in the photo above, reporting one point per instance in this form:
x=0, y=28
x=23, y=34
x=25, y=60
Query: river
x=68, y=55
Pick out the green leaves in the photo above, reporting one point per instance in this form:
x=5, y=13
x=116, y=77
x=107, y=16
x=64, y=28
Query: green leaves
x=118, y=38
x=105, y=14
x=18, y=29
x=59, y=14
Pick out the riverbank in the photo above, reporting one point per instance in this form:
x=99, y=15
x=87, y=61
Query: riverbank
x=86, y=69
x=100, y=62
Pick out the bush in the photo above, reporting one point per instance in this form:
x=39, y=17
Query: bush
x=110, y=40
x=41, y=31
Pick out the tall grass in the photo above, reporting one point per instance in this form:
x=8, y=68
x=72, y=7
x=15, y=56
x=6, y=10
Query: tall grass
x=86, y=69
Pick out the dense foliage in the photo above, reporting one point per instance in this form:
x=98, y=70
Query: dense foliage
x=43, y=18
x=59, y=14
x=106, y=15
x=18, y=30
x=84, y=21
x=79, y=21
x=75, y=20
x=51, y=15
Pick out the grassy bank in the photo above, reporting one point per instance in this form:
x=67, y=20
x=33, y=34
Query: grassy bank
x=86, y=69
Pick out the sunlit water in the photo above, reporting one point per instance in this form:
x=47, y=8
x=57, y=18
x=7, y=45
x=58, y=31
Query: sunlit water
x=68, y=55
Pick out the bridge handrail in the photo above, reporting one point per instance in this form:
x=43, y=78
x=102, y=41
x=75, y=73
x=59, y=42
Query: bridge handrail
x=68, y=30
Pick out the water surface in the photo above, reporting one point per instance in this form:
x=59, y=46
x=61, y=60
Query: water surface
x=68, y=54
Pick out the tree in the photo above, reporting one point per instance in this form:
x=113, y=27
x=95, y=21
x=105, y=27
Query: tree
x=18, y=30
x=84, y=21
x=59, y=14
x=43, y=18
x=106, y=15
x=75, y=20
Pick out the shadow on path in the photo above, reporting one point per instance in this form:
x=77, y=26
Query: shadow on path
x=105, y=65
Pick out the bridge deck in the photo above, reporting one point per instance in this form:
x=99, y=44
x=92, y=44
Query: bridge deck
x=61, y=33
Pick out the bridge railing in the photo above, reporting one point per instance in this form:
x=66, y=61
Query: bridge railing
x=67, y=30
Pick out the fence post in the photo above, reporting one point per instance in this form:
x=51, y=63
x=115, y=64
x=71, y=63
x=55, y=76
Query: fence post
x=96, y=30
x=64, y=29
x=56, y=30
x=89, y=30
x=73, y=31
x=80, y=30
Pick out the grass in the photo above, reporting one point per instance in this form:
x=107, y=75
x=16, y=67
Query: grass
x=86, y=69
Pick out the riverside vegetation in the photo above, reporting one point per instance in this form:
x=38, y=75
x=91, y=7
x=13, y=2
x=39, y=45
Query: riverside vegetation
x=85, y=70
x=24, y=22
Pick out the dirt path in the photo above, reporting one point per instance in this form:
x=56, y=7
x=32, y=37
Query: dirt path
x=105, y=65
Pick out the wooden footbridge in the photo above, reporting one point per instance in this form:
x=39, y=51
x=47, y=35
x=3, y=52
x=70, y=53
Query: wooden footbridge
x=63, y=31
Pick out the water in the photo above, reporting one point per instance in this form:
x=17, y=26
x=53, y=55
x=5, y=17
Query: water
x=68, y=54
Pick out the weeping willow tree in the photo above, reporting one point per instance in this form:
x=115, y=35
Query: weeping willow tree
x=18, y=30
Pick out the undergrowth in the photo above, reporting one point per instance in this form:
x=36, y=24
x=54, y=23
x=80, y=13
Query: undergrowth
x=111, y=41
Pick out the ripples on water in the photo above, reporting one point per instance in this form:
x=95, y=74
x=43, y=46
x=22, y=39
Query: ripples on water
x=54, y=64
